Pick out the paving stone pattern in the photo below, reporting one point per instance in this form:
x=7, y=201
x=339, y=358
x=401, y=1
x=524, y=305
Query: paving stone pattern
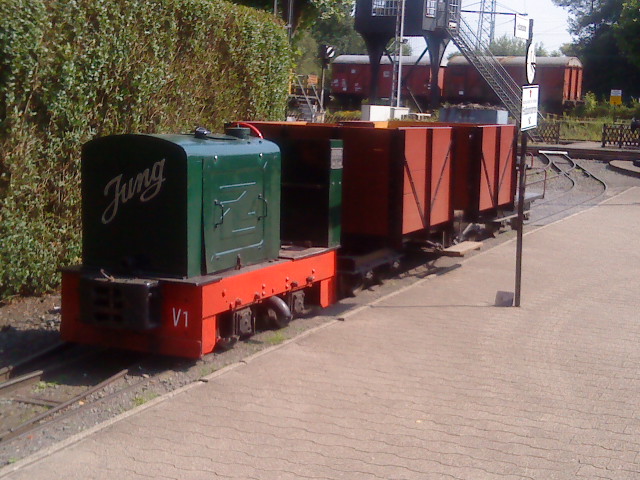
x=430, y=383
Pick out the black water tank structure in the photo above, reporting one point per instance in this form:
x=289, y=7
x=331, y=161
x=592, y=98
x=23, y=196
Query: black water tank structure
x=432, y=19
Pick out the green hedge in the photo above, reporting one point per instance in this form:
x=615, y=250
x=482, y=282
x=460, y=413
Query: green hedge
x=71, y=70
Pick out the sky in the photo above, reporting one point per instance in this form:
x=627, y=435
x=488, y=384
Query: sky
x=550, y=22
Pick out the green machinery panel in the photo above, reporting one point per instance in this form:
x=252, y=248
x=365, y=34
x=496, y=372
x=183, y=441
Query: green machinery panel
x=241, y=209
x=151, y=204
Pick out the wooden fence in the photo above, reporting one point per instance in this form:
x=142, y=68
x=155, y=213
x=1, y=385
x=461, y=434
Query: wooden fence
x=549, y=131
x=620, y=135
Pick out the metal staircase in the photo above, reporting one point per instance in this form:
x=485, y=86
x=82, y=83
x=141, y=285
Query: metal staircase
x=305, y=96
x=477, y=52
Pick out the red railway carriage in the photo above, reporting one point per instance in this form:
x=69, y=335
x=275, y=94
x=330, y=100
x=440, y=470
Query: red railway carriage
x=396, y=189
x=396, y=178
x=560, y=80
x=484, y=158
x=482, y=163
x=351, y=78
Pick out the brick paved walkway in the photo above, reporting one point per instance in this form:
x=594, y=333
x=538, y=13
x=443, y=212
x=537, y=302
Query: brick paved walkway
x=431, y=383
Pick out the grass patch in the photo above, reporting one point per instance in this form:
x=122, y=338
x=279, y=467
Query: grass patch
x=208, y=370
x=41, y=385
x=573, y=129
x=276, y=338
x=144, y=398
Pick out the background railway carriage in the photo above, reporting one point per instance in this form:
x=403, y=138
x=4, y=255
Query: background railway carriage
x=351, y=79
x=560, y=80
x=182, y=242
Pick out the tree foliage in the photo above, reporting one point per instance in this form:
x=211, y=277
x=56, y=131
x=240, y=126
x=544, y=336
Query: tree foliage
x=590, y=15
x=73, y=70
x=607, y=45
x=509, y=45
x=627, y=31
x=336, y=30
x=305, y=12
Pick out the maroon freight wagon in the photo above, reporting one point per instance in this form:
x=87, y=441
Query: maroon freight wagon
x=396, y=181
x=560, y=80
x=396, y=188
x=351, y=78
x=484, y=159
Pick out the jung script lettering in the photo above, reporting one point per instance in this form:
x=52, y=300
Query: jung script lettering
x=146, y=185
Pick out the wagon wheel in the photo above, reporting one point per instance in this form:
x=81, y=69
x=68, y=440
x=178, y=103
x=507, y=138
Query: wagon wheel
x=226, y=343
x=351, y=284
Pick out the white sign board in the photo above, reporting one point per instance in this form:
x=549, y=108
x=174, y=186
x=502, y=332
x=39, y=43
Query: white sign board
x=521, y=27
x=529, y=118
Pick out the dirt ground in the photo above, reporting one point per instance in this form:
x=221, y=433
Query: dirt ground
x=28, y=325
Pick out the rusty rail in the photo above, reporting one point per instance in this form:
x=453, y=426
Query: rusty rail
x=31, y=423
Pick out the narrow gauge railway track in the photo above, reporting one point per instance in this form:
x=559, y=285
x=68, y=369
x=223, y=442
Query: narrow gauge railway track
x=28, y=363
x=61, y=388
x=569, y=187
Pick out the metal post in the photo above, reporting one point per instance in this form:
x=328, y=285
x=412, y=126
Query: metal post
x=324, y=69
x=290, y=18
x=402, y=4
x=492, y=29
x=480, y=24
x=522, y=171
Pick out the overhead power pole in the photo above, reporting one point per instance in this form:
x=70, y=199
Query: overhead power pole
x=397, y=67
x=492, y=29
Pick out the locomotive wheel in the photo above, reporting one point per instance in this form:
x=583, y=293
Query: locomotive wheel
x=268, y=318
x=277, y=320
x=273, y=313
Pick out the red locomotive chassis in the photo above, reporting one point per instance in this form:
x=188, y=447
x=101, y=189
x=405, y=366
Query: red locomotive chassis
x=191, y=308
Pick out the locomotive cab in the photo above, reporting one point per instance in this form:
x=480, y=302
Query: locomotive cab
x=171, y=206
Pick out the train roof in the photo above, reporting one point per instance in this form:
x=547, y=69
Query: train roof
x=508, y=61
x=364, y=60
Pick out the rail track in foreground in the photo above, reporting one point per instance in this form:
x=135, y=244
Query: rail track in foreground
x=567, y=186
x=60, y=381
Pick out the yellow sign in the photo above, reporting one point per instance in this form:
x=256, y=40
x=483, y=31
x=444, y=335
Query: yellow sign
x=616, y=97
